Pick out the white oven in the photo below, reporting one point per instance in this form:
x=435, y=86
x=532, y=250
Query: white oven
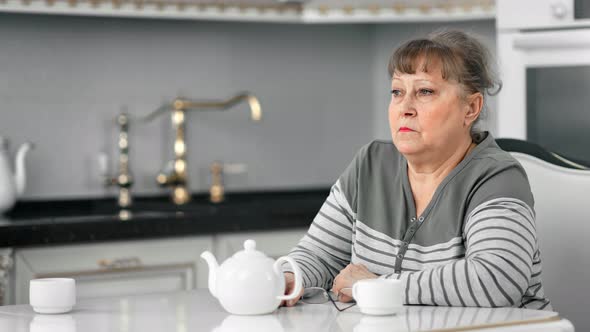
x=544, y=57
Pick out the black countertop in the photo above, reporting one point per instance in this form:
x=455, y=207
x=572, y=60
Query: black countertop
x=32, y=223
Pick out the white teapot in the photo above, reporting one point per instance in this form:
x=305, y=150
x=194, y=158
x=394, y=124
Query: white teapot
x=249, y=282
x=11, y=185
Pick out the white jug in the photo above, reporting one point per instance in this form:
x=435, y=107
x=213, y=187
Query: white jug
x=12, y=184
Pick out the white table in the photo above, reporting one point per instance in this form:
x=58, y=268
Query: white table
x=199, y=311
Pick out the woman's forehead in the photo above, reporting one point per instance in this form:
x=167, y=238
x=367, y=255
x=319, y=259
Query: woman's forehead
x=426, y=62
x=432, y=75
x=421, y=66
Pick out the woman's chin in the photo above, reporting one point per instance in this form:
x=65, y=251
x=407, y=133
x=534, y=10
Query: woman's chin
x=407, y=148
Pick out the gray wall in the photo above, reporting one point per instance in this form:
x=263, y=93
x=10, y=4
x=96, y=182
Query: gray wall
x=65, y=78
x=323, y=89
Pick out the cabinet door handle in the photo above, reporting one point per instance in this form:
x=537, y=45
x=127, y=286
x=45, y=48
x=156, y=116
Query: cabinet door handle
x=120, y=263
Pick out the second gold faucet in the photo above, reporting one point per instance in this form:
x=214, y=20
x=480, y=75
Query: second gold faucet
x=177, y=177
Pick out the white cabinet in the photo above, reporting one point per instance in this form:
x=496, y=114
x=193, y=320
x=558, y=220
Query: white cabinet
x=138, y=267
x=277, y=11
x=116, y=268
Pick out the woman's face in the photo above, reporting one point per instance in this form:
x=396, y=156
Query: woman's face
x=427, y=114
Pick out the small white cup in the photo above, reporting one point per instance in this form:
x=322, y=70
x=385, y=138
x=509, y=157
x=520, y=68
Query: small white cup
x=52, y=295
x=378, y=296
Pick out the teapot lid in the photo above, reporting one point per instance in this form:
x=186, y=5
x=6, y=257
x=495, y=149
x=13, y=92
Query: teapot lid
x=249, y=251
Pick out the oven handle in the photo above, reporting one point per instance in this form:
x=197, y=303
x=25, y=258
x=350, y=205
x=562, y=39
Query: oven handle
x=553, y=39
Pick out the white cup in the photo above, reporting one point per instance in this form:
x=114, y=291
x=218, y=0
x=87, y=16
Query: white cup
x=378, y=296
x=52, y=295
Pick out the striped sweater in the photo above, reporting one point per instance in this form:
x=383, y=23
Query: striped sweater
x=474, y=245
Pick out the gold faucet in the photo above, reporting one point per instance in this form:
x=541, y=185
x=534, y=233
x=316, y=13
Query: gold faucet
x=216, y=191
x=124, y=179
x=217, y=168
x=177, y=177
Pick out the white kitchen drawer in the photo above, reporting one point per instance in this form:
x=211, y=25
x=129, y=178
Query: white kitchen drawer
x=117, y=268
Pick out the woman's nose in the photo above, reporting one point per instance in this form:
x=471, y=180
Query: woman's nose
x=407, y=108
x=410, y=111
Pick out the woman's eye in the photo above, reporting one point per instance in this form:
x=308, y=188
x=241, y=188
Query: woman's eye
x=426, y=92
x=396, y=93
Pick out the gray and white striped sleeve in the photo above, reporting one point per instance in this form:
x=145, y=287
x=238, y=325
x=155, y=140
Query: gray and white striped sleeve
x=326, y=248
x=500, y=241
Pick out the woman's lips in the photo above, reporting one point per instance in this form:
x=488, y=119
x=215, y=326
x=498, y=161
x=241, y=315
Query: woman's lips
x=405, y=129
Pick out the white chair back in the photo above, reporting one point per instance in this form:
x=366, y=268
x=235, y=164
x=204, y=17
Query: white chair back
x=562, y=205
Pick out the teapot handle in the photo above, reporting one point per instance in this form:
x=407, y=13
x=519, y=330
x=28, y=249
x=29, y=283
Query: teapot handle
x=296, y=271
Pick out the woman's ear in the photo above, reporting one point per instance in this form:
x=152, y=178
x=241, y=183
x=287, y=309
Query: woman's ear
x=474, y=106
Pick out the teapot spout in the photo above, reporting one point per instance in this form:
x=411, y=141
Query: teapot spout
x=20, y=176
x=213, y=267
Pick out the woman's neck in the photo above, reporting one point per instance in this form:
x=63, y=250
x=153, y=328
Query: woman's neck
x=425, y=177
x=424, y=171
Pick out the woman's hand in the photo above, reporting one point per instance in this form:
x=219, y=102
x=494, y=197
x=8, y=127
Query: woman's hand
x=289, y=285
x=347, y=277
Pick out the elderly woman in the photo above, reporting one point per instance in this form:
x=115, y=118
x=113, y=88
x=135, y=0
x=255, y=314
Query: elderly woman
x=442, y=208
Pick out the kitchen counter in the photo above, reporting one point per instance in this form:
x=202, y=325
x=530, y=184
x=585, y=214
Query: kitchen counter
x=35, y=223
x=199, y=311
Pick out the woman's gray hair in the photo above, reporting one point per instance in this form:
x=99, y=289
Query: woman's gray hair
x=463, y=58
